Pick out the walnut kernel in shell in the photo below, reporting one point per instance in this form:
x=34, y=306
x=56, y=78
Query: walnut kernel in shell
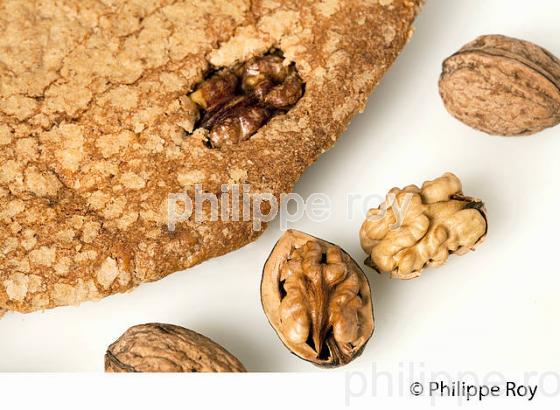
x=157, y=347
x=419, y=227
x=317, y=299
x=502, y=86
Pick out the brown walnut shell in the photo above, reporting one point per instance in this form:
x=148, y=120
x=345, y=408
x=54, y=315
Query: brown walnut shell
x=157, y=347
x=502, y=86
x=317, y=299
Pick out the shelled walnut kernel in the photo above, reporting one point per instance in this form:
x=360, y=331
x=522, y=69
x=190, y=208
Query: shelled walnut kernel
x=420, y=227
x=236, y=102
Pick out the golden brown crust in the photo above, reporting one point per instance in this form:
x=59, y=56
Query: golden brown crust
x=93, y=110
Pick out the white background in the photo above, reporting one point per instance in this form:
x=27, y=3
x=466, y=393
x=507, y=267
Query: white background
x=495, y=310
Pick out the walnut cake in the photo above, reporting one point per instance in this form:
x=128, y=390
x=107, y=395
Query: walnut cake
x=100, y=121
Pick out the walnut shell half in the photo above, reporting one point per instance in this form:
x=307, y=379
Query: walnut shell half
x=157, y=347
x=420, y=227
x=317, y=299
x=502, y=86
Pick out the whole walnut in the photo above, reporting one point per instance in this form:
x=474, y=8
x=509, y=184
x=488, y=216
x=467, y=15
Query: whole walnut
x=419, y=227
x=502, y=86
x=317, y=299
x=157, y=347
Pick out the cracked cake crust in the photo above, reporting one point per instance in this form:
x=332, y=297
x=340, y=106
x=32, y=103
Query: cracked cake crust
x=94, y=121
